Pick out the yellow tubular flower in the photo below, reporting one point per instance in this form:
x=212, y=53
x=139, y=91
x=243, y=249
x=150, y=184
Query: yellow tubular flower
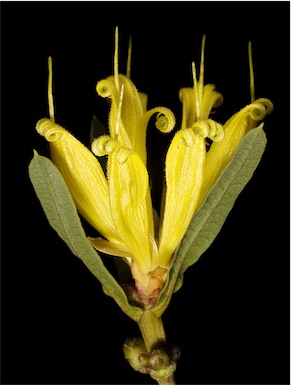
x=130, y=127
x=128, y=182
x=185, y=161
x=185, y=164
x=201, y=99
x=132, y=109
x=128, y=117
x=184, y=174
x=83, y=176
x=129, y=197
x=235, y=129
x=210, y=99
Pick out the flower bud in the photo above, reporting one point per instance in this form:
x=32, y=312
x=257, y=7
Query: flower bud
x=136, y=354
x=159, y=359
x=161, y=364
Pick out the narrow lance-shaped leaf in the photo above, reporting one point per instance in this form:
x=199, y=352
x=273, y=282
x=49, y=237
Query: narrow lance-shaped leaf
x=62, y=215
x=213, y=212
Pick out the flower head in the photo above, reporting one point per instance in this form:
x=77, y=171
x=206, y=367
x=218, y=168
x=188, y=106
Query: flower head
x=118, y=205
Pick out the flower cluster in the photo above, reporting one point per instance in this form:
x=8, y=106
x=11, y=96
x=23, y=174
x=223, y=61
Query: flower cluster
x=118, y=203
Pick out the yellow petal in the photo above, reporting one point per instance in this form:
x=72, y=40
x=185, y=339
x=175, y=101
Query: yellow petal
x=106, y=247
x=83, y=176
x=132, y=109
x=129, y=189
x=105, y=145
x=132, y=120
x=184, y=172
x=235, y=129
x=211, y=99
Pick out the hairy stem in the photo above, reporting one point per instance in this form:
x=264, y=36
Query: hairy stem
x=153, y=333
x=152, y=330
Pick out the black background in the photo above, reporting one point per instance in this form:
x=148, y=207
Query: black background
x=231, y=317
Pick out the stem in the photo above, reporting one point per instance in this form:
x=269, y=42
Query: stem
x=152, y=330
x=153, y=333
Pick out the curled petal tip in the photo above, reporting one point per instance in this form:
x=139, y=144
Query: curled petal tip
x=209, y=129
x=104, y=145
x=50, y=130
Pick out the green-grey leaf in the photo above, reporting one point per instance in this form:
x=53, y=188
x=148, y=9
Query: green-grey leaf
x=62, y=215
x=212, y=214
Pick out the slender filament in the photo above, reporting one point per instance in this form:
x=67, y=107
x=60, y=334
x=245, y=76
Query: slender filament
x=50, y=90
x=116, y=60
x=198, y=112
x=128, y=67
x=119, y=110
x=252, y=81
x=201, y=73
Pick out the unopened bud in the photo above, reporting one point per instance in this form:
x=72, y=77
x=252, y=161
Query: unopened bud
x=136, y=354
x=161, y=364
x=159, y=359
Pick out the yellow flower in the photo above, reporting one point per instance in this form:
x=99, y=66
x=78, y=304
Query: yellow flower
x=185, y=161
x=234, y=129
x=197, y=105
